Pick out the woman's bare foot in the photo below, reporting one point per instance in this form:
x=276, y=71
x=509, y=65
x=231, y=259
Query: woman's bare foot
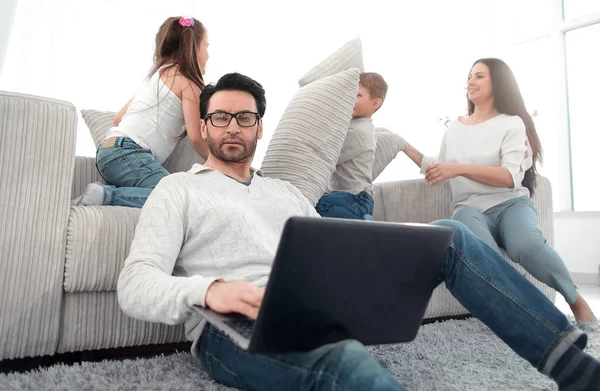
x=582, y=311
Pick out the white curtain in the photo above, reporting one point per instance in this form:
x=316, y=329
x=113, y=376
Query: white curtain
x=95, y=53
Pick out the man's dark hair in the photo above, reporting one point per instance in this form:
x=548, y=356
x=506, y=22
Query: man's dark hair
x=234, y=82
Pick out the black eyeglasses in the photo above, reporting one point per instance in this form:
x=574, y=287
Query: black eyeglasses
x=222, y=119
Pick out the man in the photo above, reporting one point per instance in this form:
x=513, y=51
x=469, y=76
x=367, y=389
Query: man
x=208, y=237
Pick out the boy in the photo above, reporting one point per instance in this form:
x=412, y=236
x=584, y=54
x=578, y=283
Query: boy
x=350, y=192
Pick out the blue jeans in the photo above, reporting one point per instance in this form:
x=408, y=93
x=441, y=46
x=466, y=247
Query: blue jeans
x=489, y=287
x=130, y=173
x=346, y=205
x=514, y=226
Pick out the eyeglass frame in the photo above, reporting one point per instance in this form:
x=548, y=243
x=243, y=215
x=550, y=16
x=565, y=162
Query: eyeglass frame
x=233, y=115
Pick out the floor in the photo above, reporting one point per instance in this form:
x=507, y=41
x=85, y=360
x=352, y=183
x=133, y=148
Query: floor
x=591, y=293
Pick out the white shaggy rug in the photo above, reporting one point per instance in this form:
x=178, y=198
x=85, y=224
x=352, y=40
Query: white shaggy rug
x=453, y=355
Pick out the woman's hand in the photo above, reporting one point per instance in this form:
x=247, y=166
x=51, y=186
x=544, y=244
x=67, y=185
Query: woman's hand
x=439, y=172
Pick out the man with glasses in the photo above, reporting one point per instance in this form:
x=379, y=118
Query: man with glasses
x=208, y=237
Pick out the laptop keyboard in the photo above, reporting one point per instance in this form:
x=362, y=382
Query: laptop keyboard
x=244, y=326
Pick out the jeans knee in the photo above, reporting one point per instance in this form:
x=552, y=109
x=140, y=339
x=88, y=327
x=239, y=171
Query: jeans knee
x=457, y=226
x=348, y=355
x=528, y=250
x=466, y=214
x=350, y=348
x=461, y=232
x=356, y=368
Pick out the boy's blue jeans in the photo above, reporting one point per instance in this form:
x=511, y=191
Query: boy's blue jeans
x=130, y=173
x=346, y=205
x=477, y=275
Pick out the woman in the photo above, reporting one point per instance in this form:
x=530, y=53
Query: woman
x=490, y=158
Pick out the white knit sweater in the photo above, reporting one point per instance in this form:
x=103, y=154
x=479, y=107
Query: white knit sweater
x=498, y=142
x=197, y=227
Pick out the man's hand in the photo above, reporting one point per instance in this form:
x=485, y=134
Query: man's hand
x=236, y=296
x=439, y=172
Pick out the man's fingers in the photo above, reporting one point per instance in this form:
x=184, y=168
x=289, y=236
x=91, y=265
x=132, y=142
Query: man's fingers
x=253, y=300
x=252, y=295
x=247, y=310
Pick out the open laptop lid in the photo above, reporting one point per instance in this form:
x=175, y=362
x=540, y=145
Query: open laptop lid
x=336, y=279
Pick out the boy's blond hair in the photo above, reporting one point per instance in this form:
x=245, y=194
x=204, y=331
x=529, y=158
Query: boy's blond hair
x=375, y=84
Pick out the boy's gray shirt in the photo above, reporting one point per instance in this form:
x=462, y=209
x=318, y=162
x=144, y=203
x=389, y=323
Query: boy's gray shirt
x=354, y=170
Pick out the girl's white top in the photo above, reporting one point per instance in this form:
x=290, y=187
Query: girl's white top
x=154, y=119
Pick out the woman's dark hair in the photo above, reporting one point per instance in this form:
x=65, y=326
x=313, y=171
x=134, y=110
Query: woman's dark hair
x=508, y=100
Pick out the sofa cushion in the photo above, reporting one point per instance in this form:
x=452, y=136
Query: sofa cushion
x=347, y=57
x=307, y=142
x=182, y=158
x=387, y=146
x=98, y=241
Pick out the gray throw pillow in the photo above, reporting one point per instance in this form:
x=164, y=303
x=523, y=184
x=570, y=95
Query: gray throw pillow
x=182, y=158
x=347, y=57
x=98, y=122
x=388, y=145
x=307, y=142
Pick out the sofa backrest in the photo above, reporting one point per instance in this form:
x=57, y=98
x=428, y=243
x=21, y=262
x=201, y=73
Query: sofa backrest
x=416, y=201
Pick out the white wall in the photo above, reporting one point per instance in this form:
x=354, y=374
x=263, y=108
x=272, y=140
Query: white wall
x=577, y=240
x=424, y=55
x=426, y=71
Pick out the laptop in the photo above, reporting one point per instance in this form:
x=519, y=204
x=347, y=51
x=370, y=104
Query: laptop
x=334, y=279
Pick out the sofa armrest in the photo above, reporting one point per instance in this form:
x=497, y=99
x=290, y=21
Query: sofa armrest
x=37, y=155
x=415, y=201
x=542, y=201
x=85, y=173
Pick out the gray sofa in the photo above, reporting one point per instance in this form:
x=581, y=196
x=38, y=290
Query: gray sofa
x=59, y=264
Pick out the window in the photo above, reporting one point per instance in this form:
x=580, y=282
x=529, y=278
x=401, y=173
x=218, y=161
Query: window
x=577, y=8
x=556, y=64
x=583, y=84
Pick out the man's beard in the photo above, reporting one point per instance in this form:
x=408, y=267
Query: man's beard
x=219, y=149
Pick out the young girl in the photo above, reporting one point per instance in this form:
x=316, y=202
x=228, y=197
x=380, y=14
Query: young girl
x=489, y=158
x=149, y=126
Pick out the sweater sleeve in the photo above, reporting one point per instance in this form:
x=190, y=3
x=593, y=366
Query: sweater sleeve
x=516, y=154
x=146, y=289
x=441, y=156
